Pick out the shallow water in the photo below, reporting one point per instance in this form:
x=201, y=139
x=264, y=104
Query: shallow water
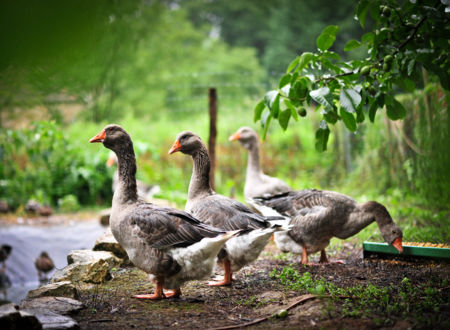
x=29, y=241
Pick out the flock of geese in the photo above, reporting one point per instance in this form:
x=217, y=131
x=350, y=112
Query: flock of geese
x=174, y=246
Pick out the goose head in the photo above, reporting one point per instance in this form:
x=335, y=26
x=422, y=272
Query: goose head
x=391, y=233
x=44, y=254
x=113, y=137
x=188, y=143
x=246, y=136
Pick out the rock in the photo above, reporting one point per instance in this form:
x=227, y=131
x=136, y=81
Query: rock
x=12, y=318
x=57, y=289
x=45, y=211
x=59, y=305
x=104, y=217
x=34, y=207
x=4, y=208
x=52, y=320
x=9, y=313
x=87, y=266
x=107, y=242
x=92, y=272
x=87, y=256
x=28, y=321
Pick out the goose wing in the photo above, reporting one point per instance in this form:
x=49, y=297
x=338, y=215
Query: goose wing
x=293, y=202
x=226, y=213
x=164, y=228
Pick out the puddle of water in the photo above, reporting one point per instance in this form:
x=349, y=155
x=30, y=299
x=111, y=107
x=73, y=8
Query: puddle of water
x=29, y=241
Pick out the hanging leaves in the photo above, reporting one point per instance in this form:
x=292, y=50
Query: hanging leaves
x=350, y=100
x=327, y=37
x=397, y=53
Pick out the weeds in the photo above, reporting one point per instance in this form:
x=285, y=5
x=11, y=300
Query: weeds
x=383, y=304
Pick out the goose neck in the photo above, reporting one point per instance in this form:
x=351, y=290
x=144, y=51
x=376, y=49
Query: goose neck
x=253, y=163
x=200, y=175
x=126, y=188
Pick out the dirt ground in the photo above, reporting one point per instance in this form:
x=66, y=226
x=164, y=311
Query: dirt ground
x=255, y=294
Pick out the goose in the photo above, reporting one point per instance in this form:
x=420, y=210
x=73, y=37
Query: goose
x=256, y=182
x=170, y=245
x=319, y=215
x=44, y=264
x=223, y=212
x=145, y=191
x=5, y=251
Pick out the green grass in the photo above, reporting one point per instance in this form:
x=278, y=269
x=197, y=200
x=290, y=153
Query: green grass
x=288, y=155
x=403, y=300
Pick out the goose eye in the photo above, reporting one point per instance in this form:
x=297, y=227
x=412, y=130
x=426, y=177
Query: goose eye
x=184, y=137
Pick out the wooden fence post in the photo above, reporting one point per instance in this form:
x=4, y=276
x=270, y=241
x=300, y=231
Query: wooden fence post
x=212, y=132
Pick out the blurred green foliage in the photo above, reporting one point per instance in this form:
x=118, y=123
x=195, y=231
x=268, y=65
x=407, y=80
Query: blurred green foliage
x=42, y=163
x=147, y=65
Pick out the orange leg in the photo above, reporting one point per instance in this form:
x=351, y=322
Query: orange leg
x=159, y=294
x=227, y=277
x=304, y=255
x=173, y=293
x=323, y=257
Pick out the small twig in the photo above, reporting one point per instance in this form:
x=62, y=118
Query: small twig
x=100, y=320
x=294, y=304
x=262, y=319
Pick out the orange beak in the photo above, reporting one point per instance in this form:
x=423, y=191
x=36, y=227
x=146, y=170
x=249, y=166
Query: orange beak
x=176, y=147
x=235, y=136
x=398, y=244
x=100, y=137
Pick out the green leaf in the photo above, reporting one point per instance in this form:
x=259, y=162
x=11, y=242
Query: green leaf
x=293, y=64
x=349, y=99
x=348, y=119
x=275, y=109
x=411, y=67
x=269, y=98
x=406, y=84
x=368, y=38
x=298, y=91
x=258, y=110
x=361, y=11
x=286, y=79
x=323, y=96
x=331, y=55
x=292, y=108
x=322, y=139
x=359, y=115
x=265, y=122
x=373, y=110
x=284, y=117
x=327, y=37
x=352, y=44
x=394, y=109
x=331, y=117
x=304, y=59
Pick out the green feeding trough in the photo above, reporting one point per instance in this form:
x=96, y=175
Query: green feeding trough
x=384, y=249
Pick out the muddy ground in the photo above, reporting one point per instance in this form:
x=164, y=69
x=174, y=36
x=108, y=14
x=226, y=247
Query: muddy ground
x=255, y=294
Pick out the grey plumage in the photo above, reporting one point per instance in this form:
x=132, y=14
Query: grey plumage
x=222, y=212
x=256, y=182
x=170, y=245
x=318, y=215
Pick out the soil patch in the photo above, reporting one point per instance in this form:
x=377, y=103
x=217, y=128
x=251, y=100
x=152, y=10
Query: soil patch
x=255, y=294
